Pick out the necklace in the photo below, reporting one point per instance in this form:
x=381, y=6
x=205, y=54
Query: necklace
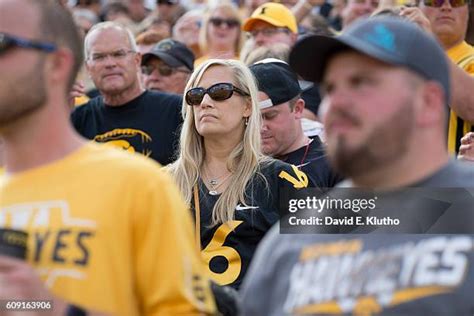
x=215, y=183
x=306, y=151
x=310, y=140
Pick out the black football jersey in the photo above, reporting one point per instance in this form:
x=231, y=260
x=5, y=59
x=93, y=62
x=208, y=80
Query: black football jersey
x=228, y=248
x=311, y=159
x=148, y=124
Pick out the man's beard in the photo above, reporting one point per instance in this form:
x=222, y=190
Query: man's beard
x=23, y=96
x=385, y=144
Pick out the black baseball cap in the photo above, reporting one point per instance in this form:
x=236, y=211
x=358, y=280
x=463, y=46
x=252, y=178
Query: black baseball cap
x=392, y=40
x=172, y=52
x=276, y=78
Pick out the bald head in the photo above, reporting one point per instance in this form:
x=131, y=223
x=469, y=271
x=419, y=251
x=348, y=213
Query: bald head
x=104, y=26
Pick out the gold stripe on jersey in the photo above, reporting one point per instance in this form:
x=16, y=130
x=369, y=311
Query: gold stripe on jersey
x=463, y=56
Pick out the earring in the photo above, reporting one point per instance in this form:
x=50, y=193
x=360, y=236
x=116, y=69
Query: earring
x=246, y=121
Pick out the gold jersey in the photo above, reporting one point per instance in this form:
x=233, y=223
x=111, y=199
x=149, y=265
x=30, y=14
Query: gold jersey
x=108, y=231
x=463, y=56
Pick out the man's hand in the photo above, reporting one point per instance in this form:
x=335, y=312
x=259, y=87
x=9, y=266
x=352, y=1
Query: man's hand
x=186, y=29
x=466, y=150
x=18, y=281
x=415, y=15
x=78, y=90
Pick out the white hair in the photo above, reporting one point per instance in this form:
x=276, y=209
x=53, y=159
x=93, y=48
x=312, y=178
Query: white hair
x=109, y=25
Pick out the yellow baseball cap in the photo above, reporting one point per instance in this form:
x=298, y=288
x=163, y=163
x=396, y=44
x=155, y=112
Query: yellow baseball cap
x=274, y=13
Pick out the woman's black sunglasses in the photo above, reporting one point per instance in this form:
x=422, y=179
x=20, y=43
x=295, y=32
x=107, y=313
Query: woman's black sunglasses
x=218, y=92
x=230, y=23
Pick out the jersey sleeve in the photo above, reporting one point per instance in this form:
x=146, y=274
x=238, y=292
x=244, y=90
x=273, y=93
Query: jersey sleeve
x=289, y=176
x=171, y=279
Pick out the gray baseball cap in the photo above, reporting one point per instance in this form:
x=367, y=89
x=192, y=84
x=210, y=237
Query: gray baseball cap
x=391, y=40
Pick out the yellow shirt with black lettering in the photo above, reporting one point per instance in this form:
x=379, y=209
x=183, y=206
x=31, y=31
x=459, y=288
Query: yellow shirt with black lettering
x=108, y=231
x=463, y=56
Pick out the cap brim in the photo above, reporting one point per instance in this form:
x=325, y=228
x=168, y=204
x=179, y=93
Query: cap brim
x=309, y=56
x=247, y=27
x=168, y=59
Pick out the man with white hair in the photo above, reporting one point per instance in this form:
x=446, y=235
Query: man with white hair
x=125, y=114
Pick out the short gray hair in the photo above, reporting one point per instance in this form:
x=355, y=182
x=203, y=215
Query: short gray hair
x=109, y=25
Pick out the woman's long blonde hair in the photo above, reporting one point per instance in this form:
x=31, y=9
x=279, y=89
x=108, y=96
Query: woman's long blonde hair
x=230, y=9
x=243, y=161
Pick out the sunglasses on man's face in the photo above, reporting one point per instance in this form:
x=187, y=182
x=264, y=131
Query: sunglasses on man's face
x=9, y=41
x=217, y=92
x=439, y=3
x=163, y=70
x=230, y=23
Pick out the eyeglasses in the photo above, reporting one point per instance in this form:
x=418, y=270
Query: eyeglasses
x=439, y=3
x=163, y=70
x=117, y=55
x=9, y=41
x=230, y=23
x=217, y=92
x=267, y=32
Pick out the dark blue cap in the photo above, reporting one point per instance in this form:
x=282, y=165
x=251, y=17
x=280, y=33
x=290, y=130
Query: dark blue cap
x=391, y=40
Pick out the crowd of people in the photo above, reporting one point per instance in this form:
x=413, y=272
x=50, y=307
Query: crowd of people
x=146, y=151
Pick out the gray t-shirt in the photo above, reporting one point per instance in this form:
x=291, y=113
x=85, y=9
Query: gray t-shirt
x=455, y=174
x=371, y=274
x=361, y=275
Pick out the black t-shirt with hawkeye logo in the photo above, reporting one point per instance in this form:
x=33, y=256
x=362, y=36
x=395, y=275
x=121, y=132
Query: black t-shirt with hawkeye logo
x=228, y=248
x=148, y=124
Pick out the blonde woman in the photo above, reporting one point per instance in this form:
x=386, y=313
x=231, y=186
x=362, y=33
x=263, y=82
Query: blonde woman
x=220, y=35
x=232, y=188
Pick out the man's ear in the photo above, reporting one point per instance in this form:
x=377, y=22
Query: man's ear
x=87, y=66
x=294, y=37
x=138, y=59
x=429, y=104
x=299, y=108
x=59, y=66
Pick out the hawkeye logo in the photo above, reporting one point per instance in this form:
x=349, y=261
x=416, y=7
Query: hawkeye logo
x=131, y=140
x=301, y=180
x=339, y=278
x=57, y=240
